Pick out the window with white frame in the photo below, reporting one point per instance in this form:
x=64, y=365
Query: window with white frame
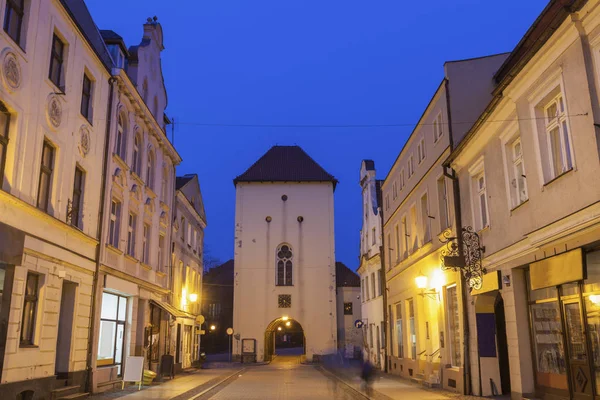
x=480, y=201
x=411, y=166
x=516, y=171
x=557, y=136
x=131, y=226
x=402, y=179
x=438, y=129
x=387, y=201
x=115, y=223
x=397, y=231
x=146, y=244
x=421, y=151
x=443, y=203
x=399, y=331
x=394, y=190
x=368, y=297
x=414, y=239
x=120, y=145
x=406, y=236
x=161, y=251
x=425, y=221
x=136, y=164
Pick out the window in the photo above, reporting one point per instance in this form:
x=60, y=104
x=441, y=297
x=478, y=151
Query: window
x=414, y=235
x=368, y=297
x=146, y=244
x=406, y=235
x=77, y=199
x=111, y=339
x=397, y=232
x=394, y=190
x=161, y=250
x=481, y=200
x=13, y=19
x=438, y=129
x=136, y=159
x=182, y=229
x=413, y=329
x=425, y=221
x=387, y=201
x=362, y=289
x=131, y=234
x=453, y=326
x=117, y=55
x=443, y=203
x=150, y=170
x=284, y=265
x=518, y=186
x=373, y=292
x=120, y=148
x=29, y=309
x=559, y=146
x=399, y=331
x=348, y=308
x=115, y=223
x=86, y=98
x=389, y=245
x=421, y=151
x=371, y=336
x=165, y=184
x=367, y=240
x=374, y=239
x=284, y=301
x=411, y=166
x=402, y=179
x=4, y=127
x=45, y=182
x=56, y=61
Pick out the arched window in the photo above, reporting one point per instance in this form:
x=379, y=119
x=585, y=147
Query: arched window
x=284, y=265
x=137, y=145
x=4, y=127
x=150, y=170
x=120, y=144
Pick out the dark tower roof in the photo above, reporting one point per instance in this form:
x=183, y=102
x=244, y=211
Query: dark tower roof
x=345, y=277
x=285, y=164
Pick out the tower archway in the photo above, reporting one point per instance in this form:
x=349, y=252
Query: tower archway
x=284, y=336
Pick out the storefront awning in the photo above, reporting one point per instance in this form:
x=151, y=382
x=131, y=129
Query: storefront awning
x=172, y=310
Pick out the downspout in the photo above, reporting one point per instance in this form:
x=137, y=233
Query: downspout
x=100, y=236
x=384, y=284
x=458, y=223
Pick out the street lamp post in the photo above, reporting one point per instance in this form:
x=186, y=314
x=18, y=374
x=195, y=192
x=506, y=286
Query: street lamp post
x=229, y=333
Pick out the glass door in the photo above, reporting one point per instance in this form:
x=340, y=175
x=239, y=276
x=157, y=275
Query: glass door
x=580, y=374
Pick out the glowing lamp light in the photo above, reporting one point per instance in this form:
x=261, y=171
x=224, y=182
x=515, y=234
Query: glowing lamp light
x=279, y=328
x=212, y=327
x=193, y=297
x=285, y=318
x=595, y=298
x=421, y=282
x=288, y=323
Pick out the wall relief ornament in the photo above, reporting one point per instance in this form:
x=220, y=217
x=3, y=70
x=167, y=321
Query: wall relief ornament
x=11, y=70
x=84, y=140
x=54, y=111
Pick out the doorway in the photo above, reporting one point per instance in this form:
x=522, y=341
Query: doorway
x=502, y=343
x=284, y=337
x=65, y=328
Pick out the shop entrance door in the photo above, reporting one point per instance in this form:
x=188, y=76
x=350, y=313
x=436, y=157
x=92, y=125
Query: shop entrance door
x=579, y=368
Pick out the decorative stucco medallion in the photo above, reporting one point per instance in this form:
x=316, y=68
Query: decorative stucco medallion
x=84, y=140
x=11, y=71
x=54, y=111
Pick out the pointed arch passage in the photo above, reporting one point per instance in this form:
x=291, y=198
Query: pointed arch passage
x=284, y=264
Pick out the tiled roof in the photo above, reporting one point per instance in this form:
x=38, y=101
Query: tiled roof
x=345, y=277
x=181, y=181
x=285, y=164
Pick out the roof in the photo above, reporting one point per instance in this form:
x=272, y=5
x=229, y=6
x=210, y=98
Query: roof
x=285, y=164
x=345, y=277
x=181, y=181
x=112, y=37
x=222, y=274
x=83, y=19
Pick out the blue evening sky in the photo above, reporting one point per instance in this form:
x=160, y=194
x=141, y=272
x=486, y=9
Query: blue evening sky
x=321, y=62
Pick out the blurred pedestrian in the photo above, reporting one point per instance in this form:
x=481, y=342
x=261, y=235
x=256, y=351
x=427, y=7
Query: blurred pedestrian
x=367, y=375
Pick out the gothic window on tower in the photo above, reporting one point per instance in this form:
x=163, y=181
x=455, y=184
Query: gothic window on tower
x=284, y=265
x=284, y=301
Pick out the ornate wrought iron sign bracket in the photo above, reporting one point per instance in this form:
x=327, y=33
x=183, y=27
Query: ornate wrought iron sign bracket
x=469, y=260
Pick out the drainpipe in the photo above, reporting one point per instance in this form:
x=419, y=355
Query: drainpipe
x=385, y=300
x=458, y=223
x=99, y=236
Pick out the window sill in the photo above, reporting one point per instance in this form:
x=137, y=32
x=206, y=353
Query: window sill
x=18, y=46
x=284, y=285
x=56, y=88
x=161, y=274
x=131, y=258
x=557, y=177
x=519, y=206
x=117, y=159
x=87, y=120
x=146, y=266
x=113, y=249
x=28, y=346
x=137, y=178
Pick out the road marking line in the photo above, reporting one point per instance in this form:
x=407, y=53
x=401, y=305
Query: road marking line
x=217, y=384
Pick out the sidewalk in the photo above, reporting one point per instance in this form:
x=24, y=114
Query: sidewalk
x=183, y=387
x=391, y=387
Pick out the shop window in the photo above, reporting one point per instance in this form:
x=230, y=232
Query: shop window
x=30, y=309
x=111, y=339
x=452, y=311
x=413, y=329
x=399, y=331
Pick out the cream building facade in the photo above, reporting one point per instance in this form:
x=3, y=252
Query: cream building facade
x=349, y=336
x=132, y=311
x=284, y=254
x=188, y=246
x=527, y=187
x=427, y=338
x=370, y=268
x=54, y=91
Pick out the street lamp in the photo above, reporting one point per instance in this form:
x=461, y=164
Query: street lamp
x=288, y=323
x=421, y=282
x=193, y=297
x=212, y=327
x=279, y=328
x=285, y=318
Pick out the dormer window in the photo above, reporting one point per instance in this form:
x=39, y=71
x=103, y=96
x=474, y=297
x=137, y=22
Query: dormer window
x=117, y=55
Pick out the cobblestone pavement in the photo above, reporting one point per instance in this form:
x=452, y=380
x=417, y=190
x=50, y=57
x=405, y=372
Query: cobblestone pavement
x=285, y=378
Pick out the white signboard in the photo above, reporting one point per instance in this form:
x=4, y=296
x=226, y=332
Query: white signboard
x=134, y=369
